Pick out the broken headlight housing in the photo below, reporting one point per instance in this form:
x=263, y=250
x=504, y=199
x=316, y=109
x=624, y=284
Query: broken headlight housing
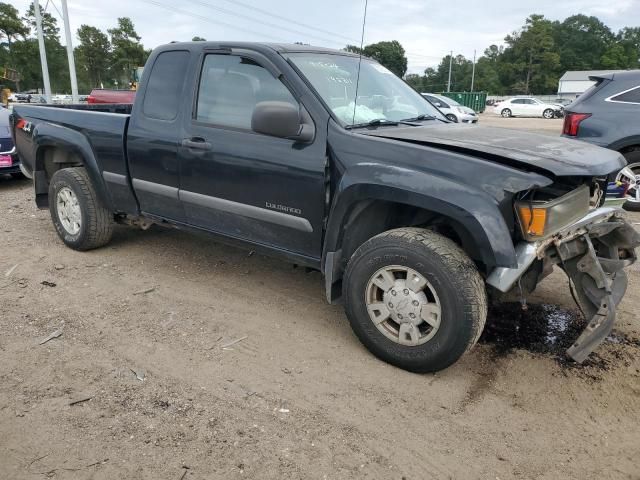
x=540, y=219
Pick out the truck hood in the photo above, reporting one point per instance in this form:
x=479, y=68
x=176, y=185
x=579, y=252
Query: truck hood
x=523, y=150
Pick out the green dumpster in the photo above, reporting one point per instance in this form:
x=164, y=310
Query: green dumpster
x=474, y=100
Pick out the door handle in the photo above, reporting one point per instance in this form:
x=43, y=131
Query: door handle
x=196, y=143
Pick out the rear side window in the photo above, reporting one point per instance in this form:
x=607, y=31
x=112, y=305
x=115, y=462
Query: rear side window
x=164, y=87
x=628, y=96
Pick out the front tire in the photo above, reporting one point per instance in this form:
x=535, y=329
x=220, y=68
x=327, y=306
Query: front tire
x=548, y=114
x=506, y=113
x=452, y=118
x=414, y=299
x=79, y=216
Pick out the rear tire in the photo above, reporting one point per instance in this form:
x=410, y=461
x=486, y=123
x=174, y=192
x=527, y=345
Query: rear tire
x=79, y=216
x=633, y=161
x=506, y=113
x=456, y=302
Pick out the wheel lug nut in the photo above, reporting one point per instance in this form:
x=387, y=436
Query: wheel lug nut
x=405, y=291
x=394, y=293
x=400, y=316
x=390, y=305
x=411, y=315
x=415, y=303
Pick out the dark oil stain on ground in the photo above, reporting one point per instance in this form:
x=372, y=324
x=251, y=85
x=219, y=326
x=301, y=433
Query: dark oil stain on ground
x=543, y=329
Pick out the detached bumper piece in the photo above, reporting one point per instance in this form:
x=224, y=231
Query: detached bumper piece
x=595, y=261
x=594, y=252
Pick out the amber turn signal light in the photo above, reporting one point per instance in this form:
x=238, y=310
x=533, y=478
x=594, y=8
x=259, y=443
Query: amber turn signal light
x=534, y=220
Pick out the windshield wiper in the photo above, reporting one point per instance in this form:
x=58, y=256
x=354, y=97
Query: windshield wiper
x=381, y=122
x=422, y=116
x=373, y=123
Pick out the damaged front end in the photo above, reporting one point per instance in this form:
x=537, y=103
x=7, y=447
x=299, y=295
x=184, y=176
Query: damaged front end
x=593, y=251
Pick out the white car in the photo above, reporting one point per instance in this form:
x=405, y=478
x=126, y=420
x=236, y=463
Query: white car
x=452, y=109
x=527, y=107
x=61, y=99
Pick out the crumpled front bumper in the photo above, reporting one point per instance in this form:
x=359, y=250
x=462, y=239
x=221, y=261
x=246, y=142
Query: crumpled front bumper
x=594, y=252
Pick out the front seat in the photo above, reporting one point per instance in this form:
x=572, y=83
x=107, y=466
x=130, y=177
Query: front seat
x=232, y=101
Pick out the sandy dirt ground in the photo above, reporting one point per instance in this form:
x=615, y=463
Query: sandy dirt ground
x=179, y=358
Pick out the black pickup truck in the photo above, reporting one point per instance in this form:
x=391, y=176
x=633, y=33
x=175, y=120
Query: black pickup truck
x=332, y=162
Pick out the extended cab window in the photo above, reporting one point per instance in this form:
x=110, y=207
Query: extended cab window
x=230, y=88
x=163, y=94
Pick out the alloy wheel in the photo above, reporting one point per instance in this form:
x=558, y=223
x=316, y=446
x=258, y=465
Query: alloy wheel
x=68, y=210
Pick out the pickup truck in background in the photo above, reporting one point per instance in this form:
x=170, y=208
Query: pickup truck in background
x=413, y=220
x=104, y=95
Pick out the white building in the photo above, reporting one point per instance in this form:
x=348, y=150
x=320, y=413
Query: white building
x=573, y=83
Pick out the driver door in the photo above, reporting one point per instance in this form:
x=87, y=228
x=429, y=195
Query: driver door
x=518, y=107
x=532, y=107
x=243, y=184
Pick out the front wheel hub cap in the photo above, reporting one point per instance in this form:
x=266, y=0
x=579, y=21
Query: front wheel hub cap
x=68, y=210
x=403, y=305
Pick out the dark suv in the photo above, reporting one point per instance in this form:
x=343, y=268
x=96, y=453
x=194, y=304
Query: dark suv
x=608, y=115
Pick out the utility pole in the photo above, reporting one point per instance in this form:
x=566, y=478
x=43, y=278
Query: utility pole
x=450, y=64
x=43, y=52
x=72, y=63
x=473, y=71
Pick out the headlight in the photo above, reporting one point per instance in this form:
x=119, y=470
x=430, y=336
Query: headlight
x=541, y=219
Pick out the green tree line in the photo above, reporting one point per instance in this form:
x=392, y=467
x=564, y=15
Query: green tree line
x=531, y=62
x=534, y=57
x=102, y=58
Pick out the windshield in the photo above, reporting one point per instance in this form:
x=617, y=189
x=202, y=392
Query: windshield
x=381, y=95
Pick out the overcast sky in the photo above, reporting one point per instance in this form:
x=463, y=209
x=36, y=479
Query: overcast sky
x=427, y=29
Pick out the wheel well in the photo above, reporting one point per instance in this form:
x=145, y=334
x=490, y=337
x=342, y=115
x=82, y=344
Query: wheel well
x=369, y=218
x=52, y=159
x=49, y=161
x=629, y=148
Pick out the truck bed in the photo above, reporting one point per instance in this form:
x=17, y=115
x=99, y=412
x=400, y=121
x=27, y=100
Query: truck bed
x=91, y=130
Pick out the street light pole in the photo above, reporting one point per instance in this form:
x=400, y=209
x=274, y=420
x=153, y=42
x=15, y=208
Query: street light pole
x=450, y=63
x=473, y=71
x=43, y=52
x=72, y=63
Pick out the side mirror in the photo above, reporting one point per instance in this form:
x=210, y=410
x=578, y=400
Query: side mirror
x=280, y=119
x=438, y=104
